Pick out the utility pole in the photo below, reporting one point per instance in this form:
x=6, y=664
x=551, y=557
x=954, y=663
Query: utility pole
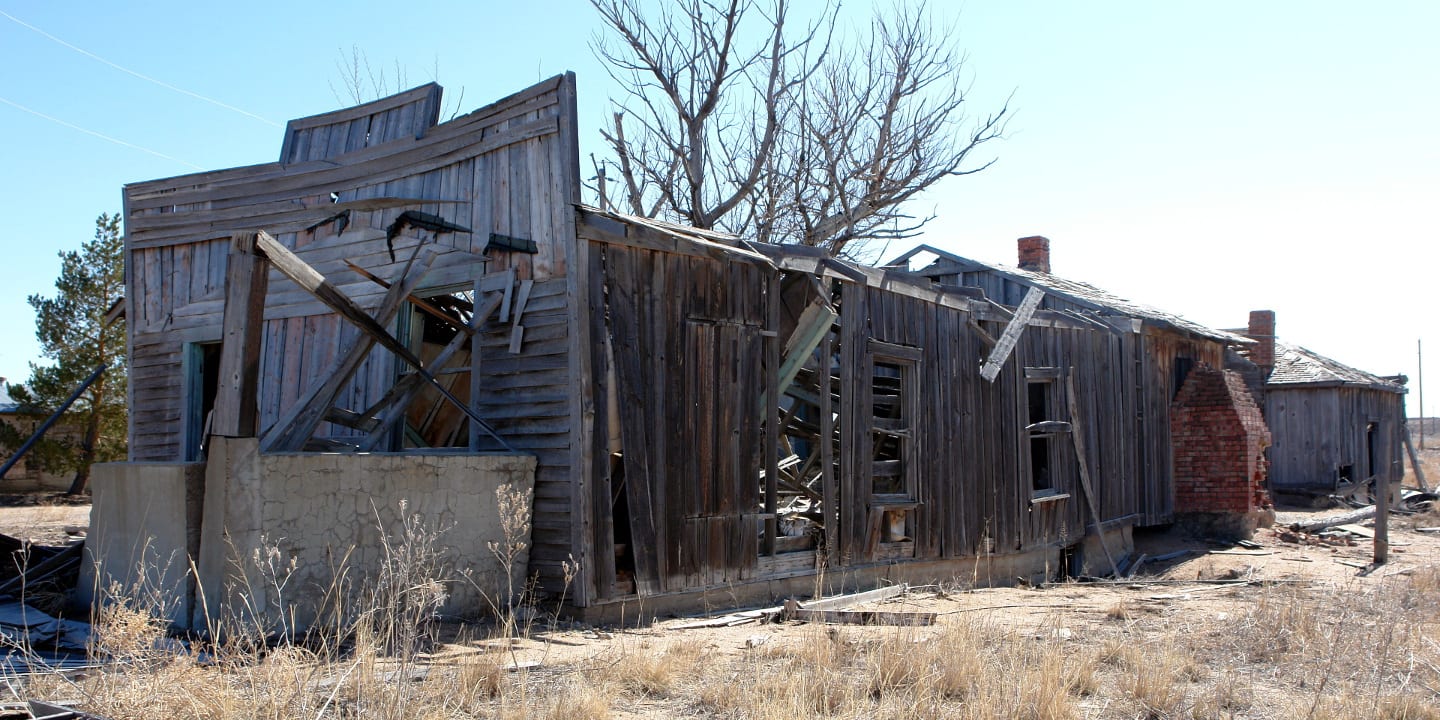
x=1420, y=381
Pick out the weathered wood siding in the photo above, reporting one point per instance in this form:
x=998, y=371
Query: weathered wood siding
x=508, y=168
x=685, y=333
x=1316, y=430
x=1145, y=384
x=688, y=371
x=407, y=114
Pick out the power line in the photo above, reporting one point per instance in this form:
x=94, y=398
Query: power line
x=142, y=76
x=102, y=136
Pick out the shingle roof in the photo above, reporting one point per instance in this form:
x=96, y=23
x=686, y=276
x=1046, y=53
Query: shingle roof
x=1089, y=293
x=1086, y=294
x=1294, y=365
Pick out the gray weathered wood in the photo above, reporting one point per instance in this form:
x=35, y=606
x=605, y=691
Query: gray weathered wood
x=1003, y=347
x=1414, y=459
x=245, y=286
x=293, y=429
x=1077, y=433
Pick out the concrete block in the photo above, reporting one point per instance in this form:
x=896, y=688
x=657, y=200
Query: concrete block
x=144, y=531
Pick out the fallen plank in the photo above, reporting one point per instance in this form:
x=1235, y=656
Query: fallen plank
x=1171, y=555
x=1011, y=335
x=1243, y=552
x=861, y=617
x=840, y=602
x=1333, y=520
x=1353, y=529
x=1129, y=573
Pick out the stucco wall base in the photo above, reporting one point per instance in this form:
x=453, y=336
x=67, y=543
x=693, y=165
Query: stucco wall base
x=144, y=523
x=290, y=538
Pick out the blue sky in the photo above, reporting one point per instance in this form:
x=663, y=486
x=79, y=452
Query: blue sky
x=1207, y=158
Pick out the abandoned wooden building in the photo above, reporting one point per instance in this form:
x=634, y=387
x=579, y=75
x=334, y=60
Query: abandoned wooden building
x=401, y=309
x=1334, y=428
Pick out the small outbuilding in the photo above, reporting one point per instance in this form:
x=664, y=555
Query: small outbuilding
x=1333, y=427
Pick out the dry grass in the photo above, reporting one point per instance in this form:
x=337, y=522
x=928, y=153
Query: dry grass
x=1364, y=650
x=1429, y=463
x=1290, y=651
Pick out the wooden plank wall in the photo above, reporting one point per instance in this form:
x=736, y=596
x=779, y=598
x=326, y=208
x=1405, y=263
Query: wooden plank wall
x=501, y=169
x=507, y=168
x=407, y=114
x=974, y=483
x=526, y=398
x=686, y=333
x=1315, y=430
x=682, y=431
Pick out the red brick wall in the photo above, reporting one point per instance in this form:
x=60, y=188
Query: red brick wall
x=1219, y=439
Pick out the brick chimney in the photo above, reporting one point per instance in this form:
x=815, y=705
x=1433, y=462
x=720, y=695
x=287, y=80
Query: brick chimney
x=1262, y=331
x=1034, y=254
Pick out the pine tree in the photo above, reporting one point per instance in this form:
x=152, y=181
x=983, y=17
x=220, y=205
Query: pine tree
x=74, y=336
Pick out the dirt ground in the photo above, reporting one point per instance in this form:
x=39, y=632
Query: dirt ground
x=1301, y=625
x=44, y=519
x=1181, y=585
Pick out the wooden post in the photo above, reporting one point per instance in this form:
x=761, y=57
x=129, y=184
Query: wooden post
x=1382, y=519
x=237, y=398
x=1414, y=458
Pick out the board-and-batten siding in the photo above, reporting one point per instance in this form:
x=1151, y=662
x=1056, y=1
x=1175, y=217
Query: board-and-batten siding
x=1316, y=430
x=507, y=168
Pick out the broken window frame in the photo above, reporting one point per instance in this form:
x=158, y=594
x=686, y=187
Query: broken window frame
x=410, y=326
x=904, y=429
x=1047, y=430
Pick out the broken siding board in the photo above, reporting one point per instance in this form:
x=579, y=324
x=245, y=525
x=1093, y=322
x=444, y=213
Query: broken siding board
x=1006, y=343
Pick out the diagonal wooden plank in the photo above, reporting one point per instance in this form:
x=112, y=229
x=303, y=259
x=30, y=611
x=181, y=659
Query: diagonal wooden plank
x=290, y=265
x=245, y=287
x=1006, y=344
x=398, y=398
x=1078, y=435
x=296, y=426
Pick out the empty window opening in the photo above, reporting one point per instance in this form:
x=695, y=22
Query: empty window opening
x=890, y=428
x=431, y=326
x=1038, y=400
x=894, y=376
x=1372, y=449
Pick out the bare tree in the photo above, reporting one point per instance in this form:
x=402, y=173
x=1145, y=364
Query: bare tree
x=707, y=102
x=793, y=137
x=361, y=82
